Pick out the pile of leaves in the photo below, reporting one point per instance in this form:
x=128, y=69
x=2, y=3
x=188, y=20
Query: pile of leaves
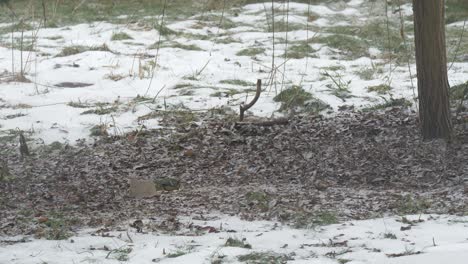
x=353, y=166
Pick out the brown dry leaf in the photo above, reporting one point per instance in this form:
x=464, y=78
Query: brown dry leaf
x=363, y=163
x=42, y=219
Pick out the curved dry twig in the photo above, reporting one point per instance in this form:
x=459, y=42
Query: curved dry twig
x=246, y=107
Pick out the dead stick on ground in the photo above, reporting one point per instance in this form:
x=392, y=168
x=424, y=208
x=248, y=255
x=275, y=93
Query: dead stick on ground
x=274, y=122
x=244, y=108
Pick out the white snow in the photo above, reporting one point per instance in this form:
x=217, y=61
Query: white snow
x=44, y=107
x=434, y=240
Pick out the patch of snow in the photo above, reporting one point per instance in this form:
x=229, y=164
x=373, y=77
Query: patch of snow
x=355, y=3
x=125, y=73
x=432, y=239
x=321, y=22
x=373, y=52
x=458, y=24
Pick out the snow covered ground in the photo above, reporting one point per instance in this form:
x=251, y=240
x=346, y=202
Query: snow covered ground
x=199, y=66
x=430, y=239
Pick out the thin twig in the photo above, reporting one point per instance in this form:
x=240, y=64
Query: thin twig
x=286, y=44
x=273, y=70
x=44, y=17
x=307, y=38
x=389, y=43
x=78, y=6
x=129, y=238
x=405, y=43
x=219, y=26
x=21, y=51
x=157, y=94
x=158, y=47
x=266, y=16
x=462, y=100
x=458, y=45
x=202, y=69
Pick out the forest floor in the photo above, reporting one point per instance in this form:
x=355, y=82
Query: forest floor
x=309, y=172
x=155, y=98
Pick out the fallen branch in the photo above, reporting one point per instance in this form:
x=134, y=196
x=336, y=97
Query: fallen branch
x=274, y=122
x=244, y=108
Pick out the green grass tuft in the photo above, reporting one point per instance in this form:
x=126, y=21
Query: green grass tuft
x=178, y=45
x=258, y=199
x=237, y=82
x=338, y=86
x=99, y=131
x=164, y=30
x=102, y=47
x=264, y=258
x=56, y=227
x=122, y=254
x=411, y=205
x=311, y=220
x=380, y=89
x=226, y=40
x=234, y=242
x=101, y=110
x=17, y=27
x=459, y=92
x=343, y=261
x=292, y=97
x=351, y=47
x=78, y=104
x=296, y=98
x=120, y=36
x=72, y=50
x=283, y=26
x=457, y=47
x=250, y=52
x=457, y=10
x=176, y=254
x=366, y=74
x=299, y=51
x=392, y=102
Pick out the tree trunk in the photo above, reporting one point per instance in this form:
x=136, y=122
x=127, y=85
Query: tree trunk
x=431, y=64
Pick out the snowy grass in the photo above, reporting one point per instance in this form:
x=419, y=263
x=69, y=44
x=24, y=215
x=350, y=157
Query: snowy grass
x=457, y=10
x=199, y=59
x=417, y=239
x=120, y=36
x=143, y=71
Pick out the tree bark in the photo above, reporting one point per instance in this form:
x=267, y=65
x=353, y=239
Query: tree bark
x=431, y=64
